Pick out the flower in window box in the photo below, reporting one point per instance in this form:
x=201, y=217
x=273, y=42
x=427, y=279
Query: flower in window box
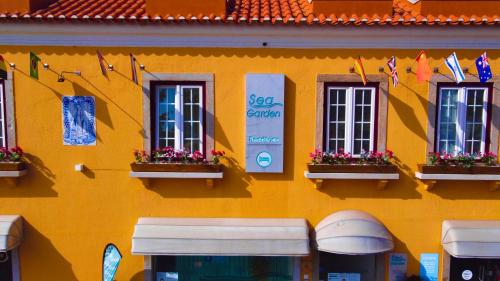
x=16, y=154
x=217, y=155
x=141, y=156
x=489, y=158
x=4, y=154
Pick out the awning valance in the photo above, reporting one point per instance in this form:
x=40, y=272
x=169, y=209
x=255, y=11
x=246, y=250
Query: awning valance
x=352, y=232
x=11, y=232
x=221, y=237
x=471, y=238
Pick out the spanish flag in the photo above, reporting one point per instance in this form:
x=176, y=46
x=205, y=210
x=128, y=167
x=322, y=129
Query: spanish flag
x=34, y=59
x=3, y=69
x=360, y=69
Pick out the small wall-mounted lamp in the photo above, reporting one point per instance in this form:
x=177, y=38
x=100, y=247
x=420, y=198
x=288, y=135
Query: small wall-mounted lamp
x=408, y=69
x=466, y=70
x=436, y=69
x=12, y=66
x=381, y=69
x=79, y=168
x=60, y=77
x=46, y=66
x=351, y=69
x=110, y=67
x=142, y=67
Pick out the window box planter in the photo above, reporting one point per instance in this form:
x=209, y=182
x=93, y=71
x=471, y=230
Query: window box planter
x=176, y=167
x=383, y=173
x=430, y=174
x=12, y=166
x=452, y=169
x=352, y=168
x=11, y=171
x=148, y=171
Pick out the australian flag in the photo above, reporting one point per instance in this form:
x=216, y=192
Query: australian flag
x=483, y=68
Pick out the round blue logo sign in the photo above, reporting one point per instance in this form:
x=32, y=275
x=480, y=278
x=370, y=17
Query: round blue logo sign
x=264, y=159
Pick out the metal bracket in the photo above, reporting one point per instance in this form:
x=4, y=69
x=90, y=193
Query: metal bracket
x=429, y=184
x=495, y=186
x=382, y=184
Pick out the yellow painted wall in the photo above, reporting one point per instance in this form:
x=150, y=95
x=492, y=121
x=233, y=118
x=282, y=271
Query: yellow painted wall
x=70, y=216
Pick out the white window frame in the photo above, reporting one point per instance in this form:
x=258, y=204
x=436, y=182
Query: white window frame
x=179, y=114
x=460, y=142
x=349, y=118
x=3, y=115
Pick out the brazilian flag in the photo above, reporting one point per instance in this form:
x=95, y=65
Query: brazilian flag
x=34, y=59
x=3, y=69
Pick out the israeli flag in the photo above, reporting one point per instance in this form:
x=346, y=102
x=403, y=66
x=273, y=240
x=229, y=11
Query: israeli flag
x=454, y=66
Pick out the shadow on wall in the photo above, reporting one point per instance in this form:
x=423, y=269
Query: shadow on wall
x=45, y=262
x=139, y=276
x=468, y=190
x=404, y=188
x=37, y=183
x=413, y=262
x=233, y=185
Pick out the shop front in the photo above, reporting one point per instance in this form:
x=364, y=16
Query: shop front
x=11, y=233
x=221, y=249
x=471, y=250
x=351, y=247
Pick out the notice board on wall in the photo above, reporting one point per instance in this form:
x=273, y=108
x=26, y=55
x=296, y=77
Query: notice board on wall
x=429, y=266
x=398, y=266
x=265, y=120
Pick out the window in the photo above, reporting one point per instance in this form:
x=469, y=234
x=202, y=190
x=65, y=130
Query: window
x=179, y=117
x=3, y=133
x=462, y=120
x=350, y=116
x=202, y=268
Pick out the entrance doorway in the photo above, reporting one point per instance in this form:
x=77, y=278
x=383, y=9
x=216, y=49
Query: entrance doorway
x=474, y=269
x=336, y=267
x=6, y=272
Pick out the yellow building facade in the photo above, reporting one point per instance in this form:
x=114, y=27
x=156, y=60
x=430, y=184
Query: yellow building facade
x=69, y=216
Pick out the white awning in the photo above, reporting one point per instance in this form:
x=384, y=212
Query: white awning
x=471, y=238
x=221, y=237
x=352, y=232
x=11, y=232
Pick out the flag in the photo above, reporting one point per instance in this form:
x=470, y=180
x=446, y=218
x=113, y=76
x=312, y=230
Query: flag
x=34, y=59
x=134, y=70
x=3, y=69
x=483, y=68
x=361, y=70
x=110, y=262
x=454, y=66
x=102, y=63
x=423, y=69
x=394, y=72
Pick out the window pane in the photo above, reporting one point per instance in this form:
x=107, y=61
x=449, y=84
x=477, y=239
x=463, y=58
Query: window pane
x=171, y=112
x=336, y=113
x=447, y=131
x=2, y=119
x=474, y=126
x=171, y=95
x=224, y=268
x=362, y=120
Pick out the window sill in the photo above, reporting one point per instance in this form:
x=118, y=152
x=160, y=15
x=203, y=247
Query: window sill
x=12, y=176
x=430, y=180
x=383, y=178
x=147, y=176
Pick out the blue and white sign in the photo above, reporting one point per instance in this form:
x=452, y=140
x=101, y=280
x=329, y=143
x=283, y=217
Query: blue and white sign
x=265, y=119
x=110, y=261
x=429, y=267
x=79, y=120
x=398, y=266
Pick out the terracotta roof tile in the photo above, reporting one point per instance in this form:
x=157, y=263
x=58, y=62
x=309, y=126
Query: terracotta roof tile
x=244, y=11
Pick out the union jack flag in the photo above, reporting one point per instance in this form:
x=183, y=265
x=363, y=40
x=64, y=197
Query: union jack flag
x=394, y=72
